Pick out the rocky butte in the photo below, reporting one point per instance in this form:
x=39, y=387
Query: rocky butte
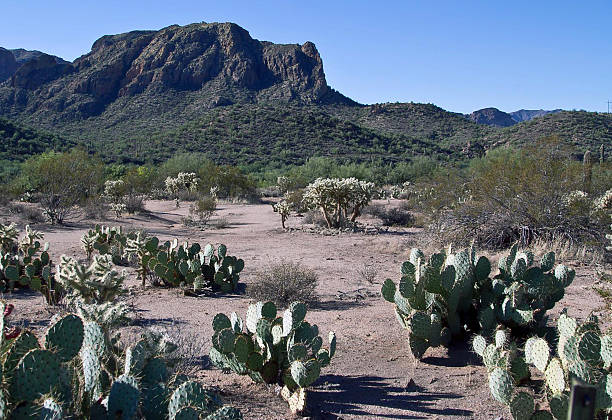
x=219, y=59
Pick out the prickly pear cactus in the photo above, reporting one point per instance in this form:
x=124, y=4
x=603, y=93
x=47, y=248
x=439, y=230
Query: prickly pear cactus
x=270, y=348
x=107, y=240
x=434, y=297
x=582, y=352
x=521, y=293
x=26, y=262
x=78, y=373
x=200, y=268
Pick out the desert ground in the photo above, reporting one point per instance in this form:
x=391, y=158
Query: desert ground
x=373, y=374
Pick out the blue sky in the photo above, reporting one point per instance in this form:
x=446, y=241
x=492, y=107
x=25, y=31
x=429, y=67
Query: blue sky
x=461, y=55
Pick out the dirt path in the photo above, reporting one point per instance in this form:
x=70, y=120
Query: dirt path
x=370, y=377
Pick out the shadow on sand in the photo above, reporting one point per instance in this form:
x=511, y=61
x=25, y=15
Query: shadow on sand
x=347, y=395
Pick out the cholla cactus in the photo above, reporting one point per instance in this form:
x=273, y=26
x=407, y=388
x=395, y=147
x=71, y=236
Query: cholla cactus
x=284, y=209
x=98, y=283
x=114, y=191
x=88, y=241
x=283, y=184
x=143, y=249
x=118, y=209
x=213, y=191
x=574, y=197
x=8, y=236
x=337, y=198
x=184, y=181
x=605, y=201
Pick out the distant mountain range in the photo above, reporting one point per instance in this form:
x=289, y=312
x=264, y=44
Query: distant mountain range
x=497, y=118
x=209, y=87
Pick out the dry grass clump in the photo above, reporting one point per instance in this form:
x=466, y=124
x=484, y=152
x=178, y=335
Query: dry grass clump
x=283, y=283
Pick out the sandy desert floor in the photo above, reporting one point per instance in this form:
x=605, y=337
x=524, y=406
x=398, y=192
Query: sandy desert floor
x=373, y=374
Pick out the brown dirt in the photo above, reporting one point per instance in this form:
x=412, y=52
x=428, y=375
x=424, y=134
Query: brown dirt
x=370, y=376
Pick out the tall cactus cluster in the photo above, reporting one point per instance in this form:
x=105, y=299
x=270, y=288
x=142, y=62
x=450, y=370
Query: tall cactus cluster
x=77, y=373
x=581, y=352
x=339, y=199
x=25, y=262
x=434, y=297
x=451, y=293
x=272, y=349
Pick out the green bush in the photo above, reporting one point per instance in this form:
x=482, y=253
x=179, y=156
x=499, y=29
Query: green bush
x=520, y=195
x=62, y=181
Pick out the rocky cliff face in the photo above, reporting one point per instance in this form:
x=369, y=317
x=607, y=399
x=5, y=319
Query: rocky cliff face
x=8, y=64
x=219, y=59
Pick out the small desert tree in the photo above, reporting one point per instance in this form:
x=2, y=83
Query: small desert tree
x=139, y=183
x=62, y=180
x=338, y=199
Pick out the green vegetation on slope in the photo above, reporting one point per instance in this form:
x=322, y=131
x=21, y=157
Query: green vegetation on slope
x=269, y=134
x=584, y=130
x=423, y=121
x=18, y=142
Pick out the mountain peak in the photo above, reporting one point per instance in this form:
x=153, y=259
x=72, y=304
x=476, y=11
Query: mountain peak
x=220, y=60
x=492, y=116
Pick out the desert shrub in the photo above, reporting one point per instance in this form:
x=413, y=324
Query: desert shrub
x=393, y=216
x=220, y=223
x=517, y=195
x=368, y=272
x=314, y=218
x=203, y=209
x=283, y=283
x=338, y=199
x=134, y=204
x=62, y=180
x=95, y=208
x=229, y=182
x=295, y=200
x=30, y=213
